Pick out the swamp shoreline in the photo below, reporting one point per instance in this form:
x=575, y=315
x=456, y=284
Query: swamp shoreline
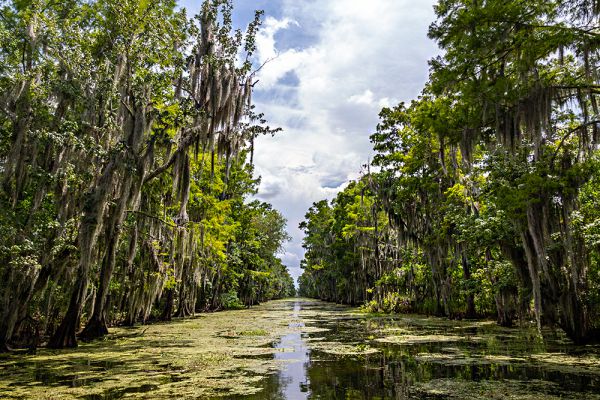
x=301, y=348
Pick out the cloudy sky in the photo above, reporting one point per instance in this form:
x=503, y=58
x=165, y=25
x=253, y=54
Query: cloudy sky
x=334, y=65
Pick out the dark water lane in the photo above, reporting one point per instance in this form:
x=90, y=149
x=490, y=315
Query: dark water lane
x=293, y=379
x=291, y=382
x=335, y=353
x=305, y=349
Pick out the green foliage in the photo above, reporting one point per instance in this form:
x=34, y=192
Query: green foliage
x=230, y=301
x=125, y=129
x=484, y=197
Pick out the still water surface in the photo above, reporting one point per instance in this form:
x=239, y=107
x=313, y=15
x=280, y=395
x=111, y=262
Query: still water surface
x=336, y=354
x=304, y=349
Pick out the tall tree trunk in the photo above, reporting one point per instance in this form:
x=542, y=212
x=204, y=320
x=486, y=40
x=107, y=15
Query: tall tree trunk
x=167, y=313
x=65, y=335
x=535, y=278
x=134, y=127
x=97, y=326
x=467, y=277
x=91, y=223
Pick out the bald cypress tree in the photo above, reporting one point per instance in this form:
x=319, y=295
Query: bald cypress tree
x=111, y=113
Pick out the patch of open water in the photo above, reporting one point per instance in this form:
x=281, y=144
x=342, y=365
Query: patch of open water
x=415, y=357
x=331, y=352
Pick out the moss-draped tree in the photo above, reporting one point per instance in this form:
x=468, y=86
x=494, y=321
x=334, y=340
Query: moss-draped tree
x=111, y=115
x=485, y=179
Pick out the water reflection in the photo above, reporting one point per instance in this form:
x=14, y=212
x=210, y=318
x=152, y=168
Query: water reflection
x=293, y=378
x=291, y=382
x=430, y=359
x=329, y=352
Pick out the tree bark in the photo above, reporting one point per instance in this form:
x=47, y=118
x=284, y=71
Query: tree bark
x=167, y=313
x=91, y=222
x=65, y=335
x=470, y=298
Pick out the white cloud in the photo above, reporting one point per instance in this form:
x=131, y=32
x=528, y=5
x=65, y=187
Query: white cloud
x=365, y=98
x=364, y=56
x=277, y=63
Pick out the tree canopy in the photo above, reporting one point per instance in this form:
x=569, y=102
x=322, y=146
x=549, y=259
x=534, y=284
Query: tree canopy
x=126, y=134
x=482, y=198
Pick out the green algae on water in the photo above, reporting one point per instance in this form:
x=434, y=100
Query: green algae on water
x=188, y=358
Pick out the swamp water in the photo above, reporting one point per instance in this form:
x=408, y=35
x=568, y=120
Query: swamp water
x=305, y=349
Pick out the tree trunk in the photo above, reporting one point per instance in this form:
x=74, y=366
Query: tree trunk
x=97, y=326
x=535, y=278
x=167, y=313
x=470, y=298
x=91, y=222
x=65, y=335
x=574, y=319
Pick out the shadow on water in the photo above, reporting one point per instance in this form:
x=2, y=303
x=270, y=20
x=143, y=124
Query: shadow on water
x=119, y=393
x=327, y=352
x=291, y=382
x=415, y=357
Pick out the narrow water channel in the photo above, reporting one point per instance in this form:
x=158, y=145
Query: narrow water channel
x=293, y=355
x=293, y=379
x=305, y=349
x=334, y=353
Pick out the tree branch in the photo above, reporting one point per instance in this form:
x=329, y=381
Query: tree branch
x=183, y=145
x=566, y=136
x=268, y=60
x=145, y=214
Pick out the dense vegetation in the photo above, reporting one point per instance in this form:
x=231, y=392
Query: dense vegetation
x=126, y=140
x=483, y=197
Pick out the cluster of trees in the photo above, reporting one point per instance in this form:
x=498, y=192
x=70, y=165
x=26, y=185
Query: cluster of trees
x=484, y=195
x=126, y=140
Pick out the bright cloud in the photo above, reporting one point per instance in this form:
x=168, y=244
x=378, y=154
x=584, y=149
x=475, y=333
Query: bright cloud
x=364, y=56
x=332, y=65
x=366, y=98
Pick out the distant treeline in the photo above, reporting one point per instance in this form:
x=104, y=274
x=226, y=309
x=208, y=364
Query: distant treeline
x=484, y=194
x=126, y=141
